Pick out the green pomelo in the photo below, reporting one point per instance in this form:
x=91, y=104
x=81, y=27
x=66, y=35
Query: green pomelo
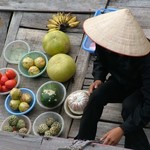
x=61, y=67
x=56, y=42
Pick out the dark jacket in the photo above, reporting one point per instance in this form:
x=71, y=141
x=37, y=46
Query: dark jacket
x=131, y=73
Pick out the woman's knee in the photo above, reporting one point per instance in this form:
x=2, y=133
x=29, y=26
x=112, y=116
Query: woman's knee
x=130, y=103
x=97, y=98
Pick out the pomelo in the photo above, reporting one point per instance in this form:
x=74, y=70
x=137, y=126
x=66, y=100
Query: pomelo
x=61, y=67
x=55, y=42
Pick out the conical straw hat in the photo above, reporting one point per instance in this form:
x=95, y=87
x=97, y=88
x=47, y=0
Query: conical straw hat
x=119, y=32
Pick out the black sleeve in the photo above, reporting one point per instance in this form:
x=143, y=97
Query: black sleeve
x=141, y=115
x=99, y=72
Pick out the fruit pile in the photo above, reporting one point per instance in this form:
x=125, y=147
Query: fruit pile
x=33, y=65
x=15, y=124
x=50, y=127
x=19, y=100
x=7, y=80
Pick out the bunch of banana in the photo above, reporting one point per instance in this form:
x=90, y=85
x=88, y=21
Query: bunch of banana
x=61, y=21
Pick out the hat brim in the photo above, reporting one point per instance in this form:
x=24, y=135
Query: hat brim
x=119, y=32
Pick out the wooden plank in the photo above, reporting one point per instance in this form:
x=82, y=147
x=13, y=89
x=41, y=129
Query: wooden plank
x=112, y=113
x=141, y=14
x=4, y=24
x=14, y=141
x=29, y=142
x=130, y=3
x=56, y=143
x=13, y=28
x=3, y=112
x=51, y=5
x=147, y=33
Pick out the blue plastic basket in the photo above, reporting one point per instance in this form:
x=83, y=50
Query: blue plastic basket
x=88, y=44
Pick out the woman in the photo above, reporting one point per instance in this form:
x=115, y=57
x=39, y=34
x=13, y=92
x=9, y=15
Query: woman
x=122, y=50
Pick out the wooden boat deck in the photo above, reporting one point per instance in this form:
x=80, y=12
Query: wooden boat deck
x=27, y=21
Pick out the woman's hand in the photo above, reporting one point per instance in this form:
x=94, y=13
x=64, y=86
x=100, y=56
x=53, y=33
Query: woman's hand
x=113, y=136
x=94, y=85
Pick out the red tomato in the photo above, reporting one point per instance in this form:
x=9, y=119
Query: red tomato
x=0, y=88
x=3, y=79
x=11, y=74
x=10, y=83
x=0, y=75
x=4, y=88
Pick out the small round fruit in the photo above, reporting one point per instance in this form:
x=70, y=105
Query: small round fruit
x=8, y=128
x=23, y=106
x=4, y=78
x=15, y=93
x=4, y=88
x=39, y=62
x=10, y=83
x=23, y=130
x=0, y=75
x=33, y=70
x=27, y=62
x=26, y=97
x=14, y=104
x=11, y=74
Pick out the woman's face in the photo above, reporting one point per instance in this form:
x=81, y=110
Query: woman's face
x=99, y=47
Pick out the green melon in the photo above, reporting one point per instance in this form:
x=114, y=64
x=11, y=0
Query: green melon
x=50, y=95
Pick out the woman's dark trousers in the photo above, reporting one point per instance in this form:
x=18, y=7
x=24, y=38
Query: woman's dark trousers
x=111, y=92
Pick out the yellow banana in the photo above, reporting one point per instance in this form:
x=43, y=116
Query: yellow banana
x=73, y=19
x=67, y=17
x=52, y=21
x=55, y=18
x=60, y=17
x=63, y=18
x=74, y=24
x=50, y=26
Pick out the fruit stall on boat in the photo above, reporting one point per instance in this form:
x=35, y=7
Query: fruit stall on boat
x=32, y=22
